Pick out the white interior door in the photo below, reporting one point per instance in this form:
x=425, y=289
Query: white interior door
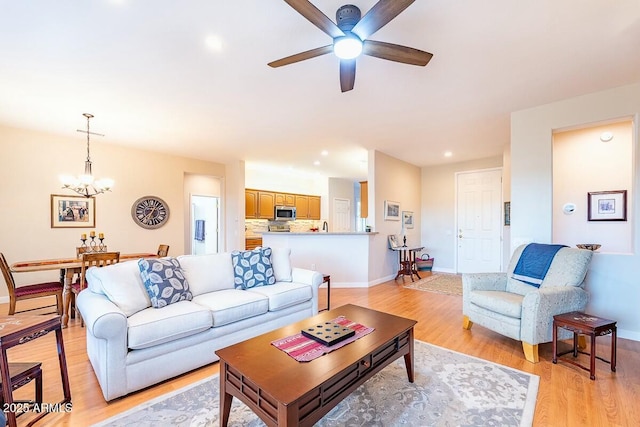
x=341, y=215
x=479, y=220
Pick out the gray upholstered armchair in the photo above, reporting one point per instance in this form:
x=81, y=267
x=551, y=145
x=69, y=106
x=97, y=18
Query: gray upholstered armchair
x=523, y=312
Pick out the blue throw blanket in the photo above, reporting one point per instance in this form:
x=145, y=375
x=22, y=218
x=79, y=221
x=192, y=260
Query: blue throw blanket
x=534, y=263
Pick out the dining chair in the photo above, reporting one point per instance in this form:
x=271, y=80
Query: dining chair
x=84, y=249
x=91, y=259
x=37, y=290
x=163, y=250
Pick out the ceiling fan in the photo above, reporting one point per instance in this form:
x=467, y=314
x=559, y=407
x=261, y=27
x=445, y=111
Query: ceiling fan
x=351, y=37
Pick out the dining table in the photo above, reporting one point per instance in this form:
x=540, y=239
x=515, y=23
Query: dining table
x=68, y=268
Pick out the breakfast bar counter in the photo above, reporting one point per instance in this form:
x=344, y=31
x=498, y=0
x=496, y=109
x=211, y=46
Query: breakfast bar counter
x=343, y=255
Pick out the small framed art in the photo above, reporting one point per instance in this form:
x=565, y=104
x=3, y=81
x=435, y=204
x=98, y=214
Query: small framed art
x=607, y=205
x=391, y=211
x=72, y=211
x=407, y=219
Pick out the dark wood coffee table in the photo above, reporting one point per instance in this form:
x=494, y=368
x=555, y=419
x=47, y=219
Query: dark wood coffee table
x=285, y=392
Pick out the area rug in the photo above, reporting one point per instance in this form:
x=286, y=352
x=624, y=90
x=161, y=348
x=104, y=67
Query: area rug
x=442, y=283
x=450, y=389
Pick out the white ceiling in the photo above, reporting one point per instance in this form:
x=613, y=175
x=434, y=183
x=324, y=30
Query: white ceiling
x=145, y=70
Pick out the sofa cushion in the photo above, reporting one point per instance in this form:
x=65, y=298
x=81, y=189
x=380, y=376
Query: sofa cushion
x=164, y=280
x=252, y=268
x=281, y=261
x=284, y=294
x=207, y=273
x=501, y=302
x=122, y=284
x=232, y=305
x=149, y=328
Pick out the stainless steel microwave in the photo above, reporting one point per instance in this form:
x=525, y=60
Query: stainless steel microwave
x=284, y=213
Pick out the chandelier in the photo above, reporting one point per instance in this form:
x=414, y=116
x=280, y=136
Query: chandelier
x=85, y=184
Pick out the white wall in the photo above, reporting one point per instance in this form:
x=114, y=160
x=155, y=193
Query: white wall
x=30, y=165
x=398, y=181
x=582, y=163
x=612, y=280
x=438, y=199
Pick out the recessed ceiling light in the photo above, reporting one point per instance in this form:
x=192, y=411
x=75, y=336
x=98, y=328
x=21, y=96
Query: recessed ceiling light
x=448, y=154
x=213, y=43
x=324, y=152
x=316, y=163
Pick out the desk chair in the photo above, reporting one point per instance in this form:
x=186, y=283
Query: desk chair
x=92, y=259
x=163, y=250
x=38, y=290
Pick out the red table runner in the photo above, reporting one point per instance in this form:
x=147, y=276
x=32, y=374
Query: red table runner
x=305, y=349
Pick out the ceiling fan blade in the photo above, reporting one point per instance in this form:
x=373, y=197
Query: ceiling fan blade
x=396, y=52
x=347, y=74
x=302, y=56
x=379, y=16
x=316, y=17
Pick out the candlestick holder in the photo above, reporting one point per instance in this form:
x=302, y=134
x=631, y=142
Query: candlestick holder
x=101, y=246
x=93, y=244
x=84, y=244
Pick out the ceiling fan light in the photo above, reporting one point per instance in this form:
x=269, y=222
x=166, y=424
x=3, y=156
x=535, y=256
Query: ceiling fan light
x=347, y=47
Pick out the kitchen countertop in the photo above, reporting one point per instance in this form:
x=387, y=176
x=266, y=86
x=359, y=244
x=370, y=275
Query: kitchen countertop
x=320, y=233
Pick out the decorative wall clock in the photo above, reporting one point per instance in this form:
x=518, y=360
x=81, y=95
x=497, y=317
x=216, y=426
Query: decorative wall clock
x=150, y=212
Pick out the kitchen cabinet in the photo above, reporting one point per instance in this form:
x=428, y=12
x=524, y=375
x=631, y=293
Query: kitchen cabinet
x=252, y=243
x=314, y=207
x=307, y=207
x=259, y=204
x=284, y=199
x=302, y=207
x=364, y=199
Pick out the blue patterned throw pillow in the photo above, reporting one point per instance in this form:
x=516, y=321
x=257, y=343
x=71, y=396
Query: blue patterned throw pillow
x=164, y=281
x=252, y=268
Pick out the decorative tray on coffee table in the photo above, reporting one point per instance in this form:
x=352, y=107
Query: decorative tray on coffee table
x=328, y=333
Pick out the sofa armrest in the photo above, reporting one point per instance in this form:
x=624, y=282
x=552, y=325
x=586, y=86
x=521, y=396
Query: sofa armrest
x=308, y=277
x=480, y=282
x=102, y=318
x=538, y=309
x=311, y=278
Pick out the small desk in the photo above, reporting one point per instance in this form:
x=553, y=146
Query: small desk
x=68, y=268
x=18, y=329
x=586, y=324
x=407, y=261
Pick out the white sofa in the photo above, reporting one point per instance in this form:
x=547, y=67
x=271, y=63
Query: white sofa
x=132, y=345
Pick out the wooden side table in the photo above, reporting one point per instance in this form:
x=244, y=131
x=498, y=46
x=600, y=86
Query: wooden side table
x=407, y=261
x=22, y=374
x=17, y=330
x=586, y=324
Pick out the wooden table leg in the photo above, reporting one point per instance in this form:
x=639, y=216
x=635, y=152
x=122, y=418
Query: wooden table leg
x=66, y=294
x=614, y=339
x=555, y=342
x=225, y=398
x=408, y=358
x=592, y=369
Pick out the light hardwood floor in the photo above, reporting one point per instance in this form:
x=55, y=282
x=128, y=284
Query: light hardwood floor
x=567, y=397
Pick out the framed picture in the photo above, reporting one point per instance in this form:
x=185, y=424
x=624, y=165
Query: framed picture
x=507, y=213
x=393, y=241
x=72, y=211
x=391, y=211
x=407, y=219
x=607, y=205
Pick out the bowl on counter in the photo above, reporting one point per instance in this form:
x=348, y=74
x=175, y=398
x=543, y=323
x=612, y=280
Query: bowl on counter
x=589, y=246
